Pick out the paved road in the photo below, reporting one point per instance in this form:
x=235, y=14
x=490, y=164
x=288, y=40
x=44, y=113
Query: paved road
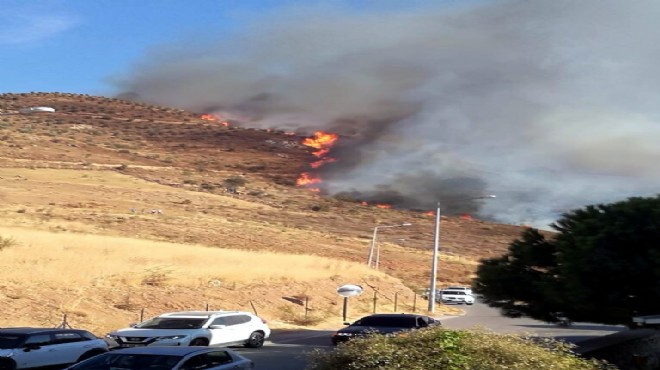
x=482, y=316
x=287, y=349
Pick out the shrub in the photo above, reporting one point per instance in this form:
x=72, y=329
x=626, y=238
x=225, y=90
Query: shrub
x=235, y=181
x=442, y=349
x=7, y=243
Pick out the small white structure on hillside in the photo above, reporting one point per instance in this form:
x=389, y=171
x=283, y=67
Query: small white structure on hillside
x=37, y=110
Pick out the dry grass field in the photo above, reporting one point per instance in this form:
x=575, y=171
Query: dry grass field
x=232, y=230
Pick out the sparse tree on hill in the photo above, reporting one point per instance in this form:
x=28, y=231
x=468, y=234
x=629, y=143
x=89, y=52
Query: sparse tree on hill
x=602, y=266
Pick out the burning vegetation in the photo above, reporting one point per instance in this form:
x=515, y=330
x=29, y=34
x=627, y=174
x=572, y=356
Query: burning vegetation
x=322, y=142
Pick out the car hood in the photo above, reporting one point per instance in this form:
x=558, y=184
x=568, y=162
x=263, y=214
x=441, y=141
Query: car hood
x=6, y=352
x=135, y=332
x=357, y=329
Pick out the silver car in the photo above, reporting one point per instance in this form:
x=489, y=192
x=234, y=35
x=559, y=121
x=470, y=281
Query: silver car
x=167, y=358
x=27, y=348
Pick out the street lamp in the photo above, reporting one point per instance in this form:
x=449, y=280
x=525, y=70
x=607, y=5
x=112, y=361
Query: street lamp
x=436, y=248
x=373, y=242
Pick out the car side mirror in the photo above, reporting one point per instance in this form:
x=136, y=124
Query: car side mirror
x=217, y=326
x=133, y=324
x=31, y=347
x=347, y=323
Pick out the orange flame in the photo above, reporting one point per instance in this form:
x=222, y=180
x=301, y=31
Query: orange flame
x=214, y=118
x=306, y=179
x=430, y=213
x=466, y=217
x=321, y=140
x=384, y=206
x=321, y=162
x=208, y=117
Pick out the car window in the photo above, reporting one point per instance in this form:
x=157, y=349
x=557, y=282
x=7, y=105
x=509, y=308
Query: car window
x=388, y=321
x=172, y=323
x=8, y=341
x=38, y=340
x=67, y=337
x=237, y=319
x=219, y=321
x=195, y=363
x=218, y=358
x=88, y=336
x=128, y=362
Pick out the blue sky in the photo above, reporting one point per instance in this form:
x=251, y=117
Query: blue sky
x=78, y=46
x=438, y=91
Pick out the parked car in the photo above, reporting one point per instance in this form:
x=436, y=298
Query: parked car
x=386, y=324
x=27, y=348
x=167, y=358
x=195, y=328
x=455, y=296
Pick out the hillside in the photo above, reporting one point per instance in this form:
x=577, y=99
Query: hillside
x=109, y=168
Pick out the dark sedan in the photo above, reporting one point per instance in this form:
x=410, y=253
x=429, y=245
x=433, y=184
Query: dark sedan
x=386, y=324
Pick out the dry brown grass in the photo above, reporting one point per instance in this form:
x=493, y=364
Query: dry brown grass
x=76, y=187
x=95, y=260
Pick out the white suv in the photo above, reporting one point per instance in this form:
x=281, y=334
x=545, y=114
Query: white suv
x=455, y=296
x=195, y=328
x=27, y=348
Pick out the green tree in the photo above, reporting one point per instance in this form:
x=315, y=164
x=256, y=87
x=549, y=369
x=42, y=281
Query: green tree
x=602, y=265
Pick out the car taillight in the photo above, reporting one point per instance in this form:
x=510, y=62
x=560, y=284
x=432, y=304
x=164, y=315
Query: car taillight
x=264, y=321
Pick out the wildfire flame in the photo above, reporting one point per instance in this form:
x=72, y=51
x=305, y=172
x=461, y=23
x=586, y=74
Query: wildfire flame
x=306, y=179
x=321, y=162
x=322, y=141
x=214, y=118
x=382, y=206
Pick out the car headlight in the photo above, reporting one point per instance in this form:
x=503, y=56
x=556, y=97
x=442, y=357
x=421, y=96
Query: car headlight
x=344, y=334
x=171, y=337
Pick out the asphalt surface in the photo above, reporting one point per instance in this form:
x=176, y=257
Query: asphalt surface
x=288, y=349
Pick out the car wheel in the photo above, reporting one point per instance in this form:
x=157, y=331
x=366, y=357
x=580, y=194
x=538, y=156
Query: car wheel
x=256, y=340
x=199, y=342
x=7, y=364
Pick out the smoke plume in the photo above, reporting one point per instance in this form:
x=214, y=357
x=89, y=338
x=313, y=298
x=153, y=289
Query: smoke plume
x=550, y=105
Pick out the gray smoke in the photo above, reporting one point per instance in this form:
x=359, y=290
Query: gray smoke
x=551, y=105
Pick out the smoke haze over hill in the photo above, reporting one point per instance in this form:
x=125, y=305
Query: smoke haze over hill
x=551, y=105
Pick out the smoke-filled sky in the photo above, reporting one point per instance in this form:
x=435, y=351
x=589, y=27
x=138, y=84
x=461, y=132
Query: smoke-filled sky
x=550, y=105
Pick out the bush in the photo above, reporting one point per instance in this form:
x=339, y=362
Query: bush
x=442, y=349
x=235, y=181
x=7, y=243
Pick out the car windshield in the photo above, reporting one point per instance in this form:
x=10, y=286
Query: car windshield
x=387, y=321
x=454, y=292
x=172, y=323
x=116, y=361
x=8, y=341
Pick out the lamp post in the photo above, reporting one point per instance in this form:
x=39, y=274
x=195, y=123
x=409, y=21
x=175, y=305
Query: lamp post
x=373, y=243
x=436, y=248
